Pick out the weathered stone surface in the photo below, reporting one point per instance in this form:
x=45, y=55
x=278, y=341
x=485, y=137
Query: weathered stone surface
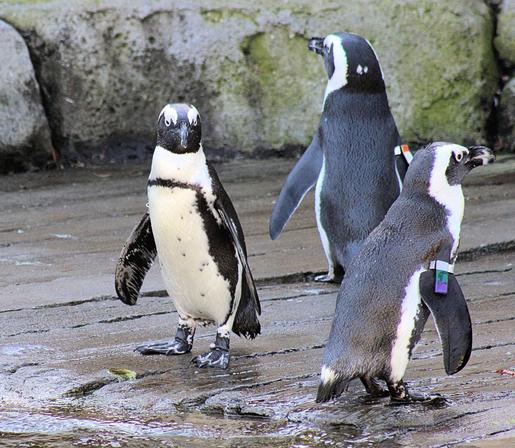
x=505, y=40
x=107, y=67
x=61, y=328
x=507, y=115
x=24, y=132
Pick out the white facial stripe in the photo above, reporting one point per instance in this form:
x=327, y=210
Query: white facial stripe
x=450, y=196
x=193, y=115
x=170, y=115
x=339, y=78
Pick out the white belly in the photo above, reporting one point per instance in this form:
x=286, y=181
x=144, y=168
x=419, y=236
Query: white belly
x=189, y=272
x=409, y=309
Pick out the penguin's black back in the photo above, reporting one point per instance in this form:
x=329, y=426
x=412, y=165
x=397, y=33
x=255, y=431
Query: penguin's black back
x=369, y=302
x=360, y=183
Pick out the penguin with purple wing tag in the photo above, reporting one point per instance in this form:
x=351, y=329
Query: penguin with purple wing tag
x=191, y=224
x=401, y=275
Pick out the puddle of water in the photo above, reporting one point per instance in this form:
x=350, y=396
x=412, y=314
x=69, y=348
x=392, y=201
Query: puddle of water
x=23, y=261
x=18, y=428
x=25, y=429
x=64, y=236
x=17, y=350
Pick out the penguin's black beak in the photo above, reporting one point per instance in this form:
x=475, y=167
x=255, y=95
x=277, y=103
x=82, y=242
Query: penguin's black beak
x=479, y=155
x=316, y=44
x=183, y=135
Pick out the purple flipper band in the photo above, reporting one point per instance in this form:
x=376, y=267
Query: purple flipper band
x=441, y=282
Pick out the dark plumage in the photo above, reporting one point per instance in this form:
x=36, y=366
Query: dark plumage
x=351, y=158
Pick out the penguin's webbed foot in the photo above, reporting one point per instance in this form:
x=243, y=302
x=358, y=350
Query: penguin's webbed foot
x=182, y=343
x=214, y=358
x=218, y=356
x=373, y=388
x=334, y=275
x=433, y=400
x=177, y=347
x=399, y=395
x=326, y=278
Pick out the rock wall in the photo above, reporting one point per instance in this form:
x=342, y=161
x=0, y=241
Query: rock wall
x=106, y=68
x=505, y=45
x=24, y=132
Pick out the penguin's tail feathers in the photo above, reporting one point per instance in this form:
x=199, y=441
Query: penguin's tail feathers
x=332, y=385
x=246, y=322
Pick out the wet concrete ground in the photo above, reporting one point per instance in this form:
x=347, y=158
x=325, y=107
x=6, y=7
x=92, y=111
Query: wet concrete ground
x=61, y=328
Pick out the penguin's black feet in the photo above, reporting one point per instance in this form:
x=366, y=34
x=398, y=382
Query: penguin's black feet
x=218, y=356
x=399, y=395
x=182, y=343
x=335, y=275
x=373, y=388
x=176, y=347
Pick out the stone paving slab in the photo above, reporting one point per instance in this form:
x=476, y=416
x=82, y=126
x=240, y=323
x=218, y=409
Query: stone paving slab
x=61, y=328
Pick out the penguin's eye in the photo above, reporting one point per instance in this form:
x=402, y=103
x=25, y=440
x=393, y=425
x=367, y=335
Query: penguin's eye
x=458, y=156
x=167, y=122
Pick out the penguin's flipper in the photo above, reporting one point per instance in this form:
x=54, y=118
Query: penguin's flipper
x=245, y=322
x=452, y=319
x=301, y=179
x=137, y=256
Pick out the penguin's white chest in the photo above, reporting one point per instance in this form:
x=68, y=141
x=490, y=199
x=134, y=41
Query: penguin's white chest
x=189, y=272
x=410, y=308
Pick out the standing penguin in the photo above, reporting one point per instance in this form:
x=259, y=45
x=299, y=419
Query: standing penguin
x=193, y=227
x=351, y=158
x=402, y=273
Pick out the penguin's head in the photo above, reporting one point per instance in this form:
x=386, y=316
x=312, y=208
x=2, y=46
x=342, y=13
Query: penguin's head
x=350, y=62
x=178, y=128
x=441, y=165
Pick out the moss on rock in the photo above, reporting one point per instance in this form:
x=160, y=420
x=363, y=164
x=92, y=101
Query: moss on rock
x=507, y=116
x=107, y=67
x=505, y=40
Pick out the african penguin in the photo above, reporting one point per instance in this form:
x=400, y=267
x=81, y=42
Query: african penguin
x=193, y=227
x=351, y=158
x=402, y=273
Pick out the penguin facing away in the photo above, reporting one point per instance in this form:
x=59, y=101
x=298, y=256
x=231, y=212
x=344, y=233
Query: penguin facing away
x=351, y=158
x=192, y=225
x=402, y=273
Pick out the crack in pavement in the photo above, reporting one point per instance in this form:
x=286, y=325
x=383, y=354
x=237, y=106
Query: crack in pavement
x=474, y=253
x=493, y=321
x=87, y=324
x=438, y=351
x=472, y=439
x=279, y=352
x=300, y=277
x=488, y=271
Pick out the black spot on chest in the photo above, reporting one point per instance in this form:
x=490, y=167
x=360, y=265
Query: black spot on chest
x=221, y=245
